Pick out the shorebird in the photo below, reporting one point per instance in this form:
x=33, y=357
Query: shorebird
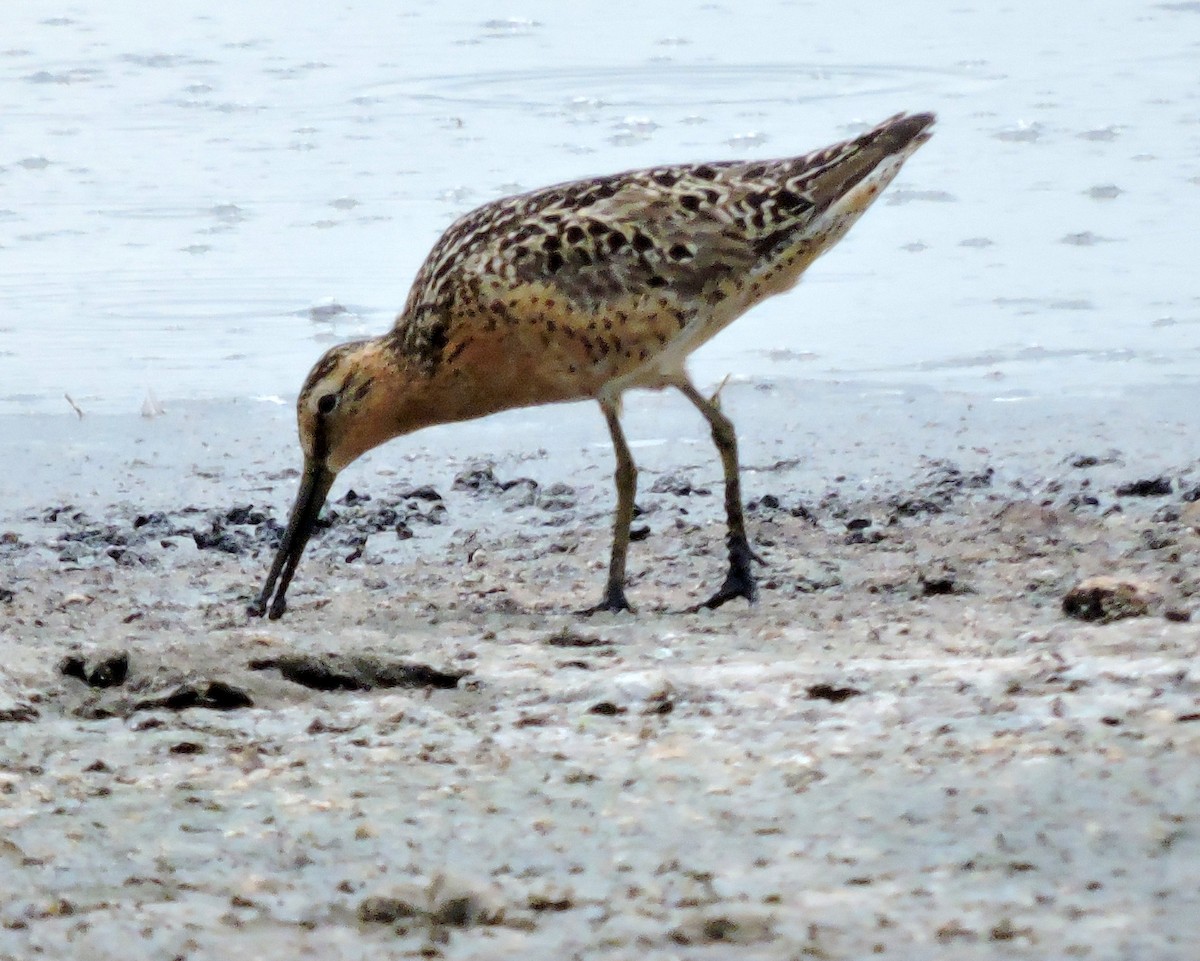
x=582, y=291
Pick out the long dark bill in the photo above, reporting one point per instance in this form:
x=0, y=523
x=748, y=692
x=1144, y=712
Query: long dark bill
x=314, y=487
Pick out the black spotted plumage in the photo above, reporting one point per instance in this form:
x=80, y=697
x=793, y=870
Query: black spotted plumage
x=687, y=230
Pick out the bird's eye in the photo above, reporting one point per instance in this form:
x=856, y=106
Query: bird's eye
x=327, y=403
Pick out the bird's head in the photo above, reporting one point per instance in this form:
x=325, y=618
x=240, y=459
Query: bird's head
x=340, y=411
x=343, y=411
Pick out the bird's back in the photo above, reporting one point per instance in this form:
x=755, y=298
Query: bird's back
x=637, y=269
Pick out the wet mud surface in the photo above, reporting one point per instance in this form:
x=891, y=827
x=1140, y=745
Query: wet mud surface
x=915, y=744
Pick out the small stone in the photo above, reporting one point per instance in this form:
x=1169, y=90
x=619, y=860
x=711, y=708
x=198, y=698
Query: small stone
x=1005, y=930
x=73, y=665
x=422, y=493
x=801, y=777
x=106, y=670
x=1147, y=487
x=240, y=515
x=459, y=903
x=522, y=492
x=550, y=901
x=18, y=714
x=110, y=670
x=1105, y=599
x=457, y=911
x=955, y=930
x=830, y=692
x=724, y=928
x=940, y=579
x=811, y=575
x=212, y=695
x=378, y=909
x=678, y=485
x=479, y=478
x=569, y=637
x=1081, y=460
x=557, y=497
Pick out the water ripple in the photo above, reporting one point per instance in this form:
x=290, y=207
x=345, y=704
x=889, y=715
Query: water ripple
x=663, y=85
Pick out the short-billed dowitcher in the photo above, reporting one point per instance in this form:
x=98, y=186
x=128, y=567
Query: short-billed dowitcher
x=584, y=290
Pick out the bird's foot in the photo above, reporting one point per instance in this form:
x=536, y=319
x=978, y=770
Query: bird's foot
x=737, y=584
x=259, y=608
x=613, y=602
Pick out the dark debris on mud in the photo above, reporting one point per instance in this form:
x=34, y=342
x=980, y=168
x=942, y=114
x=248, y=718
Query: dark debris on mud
x=106, y=669
x=1162, y=512
x=118, y=690
x=356, y=672
x=130, y=537
x=115, y=685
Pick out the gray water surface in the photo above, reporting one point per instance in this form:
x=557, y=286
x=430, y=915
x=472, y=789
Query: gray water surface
x=196, y=200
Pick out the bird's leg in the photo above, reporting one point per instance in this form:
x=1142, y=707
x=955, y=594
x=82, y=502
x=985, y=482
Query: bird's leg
x=626, y=477
x=739, y=582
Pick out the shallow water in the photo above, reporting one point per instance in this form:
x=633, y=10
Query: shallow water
x=192, y=206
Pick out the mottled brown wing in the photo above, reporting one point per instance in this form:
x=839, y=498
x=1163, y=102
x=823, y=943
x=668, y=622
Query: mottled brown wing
x=678, y=234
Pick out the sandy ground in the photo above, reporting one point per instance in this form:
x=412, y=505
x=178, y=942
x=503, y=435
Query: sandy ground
x=905, y=749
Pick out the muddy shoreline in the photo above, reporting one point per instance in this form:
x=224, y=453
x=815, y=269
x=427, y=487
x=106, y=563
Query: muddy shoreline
x=906, y=747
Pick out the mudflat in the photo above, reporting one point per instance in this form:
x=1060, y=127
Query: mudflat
x=907, y=747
